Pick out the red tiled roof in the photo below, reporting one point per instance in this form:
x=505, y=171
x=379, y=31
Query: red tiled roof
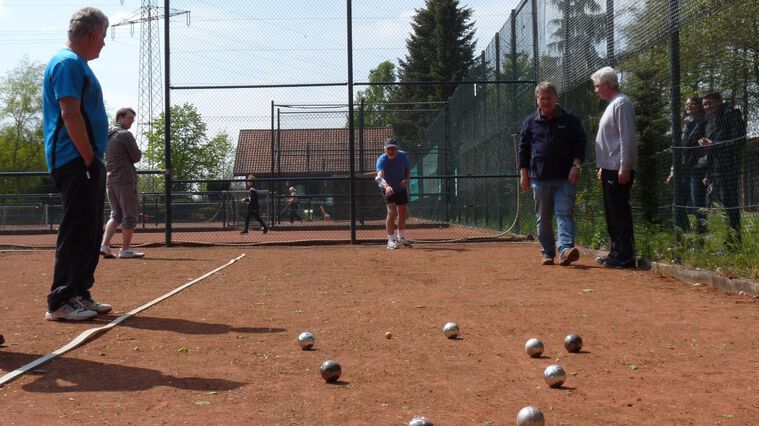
x=304, y=152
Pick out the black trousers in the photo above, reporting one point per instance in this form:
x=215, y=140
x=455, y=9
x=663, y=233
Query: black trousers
x=725, y=191
x=253, y=213
x=77, y=250
x=619, y=221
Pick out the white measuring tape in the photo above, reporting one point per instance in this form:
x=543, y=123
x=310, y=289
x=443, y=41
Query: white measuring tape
x=93, y=331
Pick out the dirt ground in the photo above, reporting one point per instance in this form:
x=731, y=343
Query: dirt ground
x=224, y=351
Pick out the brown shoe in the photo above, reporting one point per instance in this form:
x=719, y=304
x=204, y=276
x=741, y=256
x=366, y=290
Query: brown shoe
x=569, y=255
x=547, y=260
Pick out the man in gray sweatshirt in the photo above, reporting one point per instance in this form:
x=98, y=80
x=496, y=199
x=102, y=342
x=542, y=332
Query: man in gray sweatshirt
x=121, y=184
x=616, y=154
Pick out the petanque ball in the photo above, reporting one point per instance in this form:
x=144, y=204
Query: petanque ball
x=331, y=371
x=530, y=416
x=306, y=340
x=573, y=343
x=554, y=375
x=451, y=330
x=534, y=348
x=420, y=421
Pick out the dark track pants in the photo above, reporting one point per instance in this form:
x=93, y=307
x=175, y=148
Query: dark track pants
x=619, y=221
x=77, y=250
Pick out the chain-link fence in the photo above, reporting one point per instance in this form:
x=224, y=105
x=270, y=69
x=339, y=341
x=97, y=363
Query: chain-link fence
x=268, y=82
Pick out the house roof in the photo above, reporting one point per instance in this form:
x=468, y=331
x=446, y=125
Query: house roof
x=305, y=152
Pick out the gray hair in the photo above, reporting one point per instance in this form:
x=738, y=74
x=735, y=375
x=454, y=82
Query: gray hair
x=546, y=87
x=606, y=74
x=85, y=21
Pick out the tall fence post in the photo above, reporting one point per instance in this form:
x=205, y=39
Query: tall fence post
x=610, y=55
x=674, y=73
x=167, y=118
x=351, y=135
x=498, y=124
x=535, y=44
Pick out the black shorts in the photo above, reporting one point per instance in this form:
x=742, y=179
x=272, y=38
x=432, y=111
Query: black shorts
x=398, y=198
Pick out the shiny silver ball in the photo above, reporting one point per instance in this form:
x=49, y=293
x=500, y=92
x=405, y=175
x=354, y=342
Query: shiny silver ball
x=306, y=340
x=573, y=343
x=331, y=371
x=420, y=421
x=554, y=375
x=451, y=330
x=534, y=348
x=530, y=416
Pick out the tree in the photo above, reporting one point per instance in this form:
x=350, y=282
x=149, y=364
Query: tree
x=376, y=97
x=440, y=48
x=587, y=28
x=21, y=106
x=193, y=154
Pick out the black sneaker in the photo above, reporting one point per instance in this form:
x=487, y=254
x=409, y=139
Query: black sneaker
x=243, y=232
x=265, y=229
x=616, y=263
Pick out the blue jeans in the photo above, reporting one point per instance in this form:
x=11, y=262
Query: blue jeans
x=554, y=196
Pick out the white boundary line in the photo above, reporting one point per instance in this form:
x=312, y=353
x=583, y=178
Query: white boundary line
x=93, y=331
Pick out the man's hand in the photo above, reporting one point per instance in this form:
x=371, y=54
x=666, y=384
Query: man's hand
x=524, y=180
x=389, y=190
x=404, y=183
x=623, y=177
x=705, y=142
x=574, y=175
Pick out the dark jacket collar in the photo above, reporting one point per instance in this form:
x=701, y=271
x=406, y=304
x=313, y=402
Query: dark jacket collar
x=559, y=112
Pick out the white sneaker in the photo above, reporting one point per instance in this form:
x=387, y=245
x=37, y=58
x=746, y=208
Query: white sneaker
x=392, y=245
x=70, y=311
x=106, y=252
x=404, y=242
x=91, y=305
x=130, y=253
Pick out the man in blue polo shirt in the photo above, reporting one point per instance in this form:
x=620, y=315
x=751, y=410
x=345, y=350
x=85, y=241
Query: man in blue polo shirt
x=76, y=136
x=393, y=171
x=551, y=152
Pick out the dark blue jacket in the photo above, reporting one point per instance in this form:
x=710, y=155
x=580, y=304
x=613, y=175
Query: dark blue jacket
x=548, y=147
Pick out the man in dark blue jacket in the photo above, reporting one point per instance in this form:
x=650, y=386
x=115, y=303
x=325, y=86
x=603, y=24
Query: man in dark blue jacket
x=551, y=152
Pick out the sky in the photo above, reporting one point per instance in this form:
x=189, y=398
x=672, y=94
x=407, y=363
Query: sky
x=234, y=42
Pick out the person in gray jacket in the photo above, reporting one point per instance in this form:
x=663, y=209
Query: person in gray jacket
x=121, y=184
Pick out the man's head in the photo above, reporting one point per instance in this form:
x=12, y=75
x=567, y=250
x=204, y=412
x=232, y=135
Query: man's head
x=547, y=98
x=125, y=117
x=391, y=147
x=87, y=29
x=711, y=103
x=249, y=181
x=606, y=83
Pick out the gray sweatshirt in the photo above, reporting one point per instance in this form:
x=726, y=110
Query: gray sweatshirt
x=616, y=146
x=120, y=156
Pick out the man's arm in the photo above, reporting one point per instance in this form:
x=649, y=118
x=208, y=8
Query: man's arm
x=380, y=179
x=77, y=130
x=625, y=119
x=131, y=146
x=524, y=155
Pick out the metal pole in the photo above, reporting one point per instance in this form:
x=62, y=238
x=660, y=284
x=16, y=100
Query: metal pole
x=498, y=124
x=167, y=118
x=674, y=72
x=535, y=47
x=361, y=168
x=273, y=204
x=610, y=55
x=351, y=135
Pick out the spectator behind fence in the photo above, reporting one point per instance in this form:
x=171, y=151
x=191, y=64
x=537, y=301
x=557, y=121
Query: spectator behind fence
x=551, y=152
x=616, y=154
x=253, y=207
x=691, y=192
x=292, y=205
x=393, y=171
x=725, y=137
x=121, y=185
x=75, y=127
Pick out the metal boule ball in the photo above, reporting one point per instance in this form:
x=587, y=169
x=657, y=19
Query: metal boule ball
x=420, y=421
x=306, y=340
x=331, y=371
x=530, y=416
x=451, y=330
x=573, y=343
x=554, y=375
x=534, y=348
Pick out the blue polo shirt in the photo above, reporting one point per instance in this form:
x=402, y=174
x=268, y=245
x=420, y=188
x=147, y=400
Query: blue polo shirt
x=64, y=77
x=394, y=170
x=547, y=147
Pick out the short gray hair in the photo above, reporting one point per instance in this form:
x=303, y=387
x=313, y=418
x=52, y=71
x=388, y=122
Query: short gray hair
x=546, y=86
x=85, y=21
x=606, y=74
